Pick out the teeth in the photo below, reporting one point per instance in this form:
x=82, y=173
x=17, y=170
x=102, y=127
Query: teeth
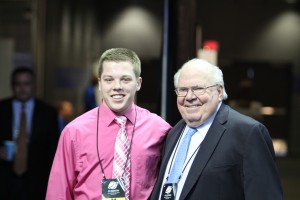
x=117, y=96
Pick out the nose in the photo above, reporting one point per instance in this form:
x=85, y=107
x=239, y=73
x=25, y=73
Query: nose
x=190, y=95
x=117, y=85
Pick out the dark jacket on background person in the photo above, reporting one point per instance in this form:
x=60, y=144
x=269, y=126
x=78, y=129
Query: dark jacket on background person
x=41, y=149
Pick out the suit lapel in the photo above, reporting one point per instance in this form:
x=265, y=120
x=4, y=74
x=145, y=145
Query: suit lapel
x=8, y=124
x=170, y=143
x=36, y=115
x=206, y=150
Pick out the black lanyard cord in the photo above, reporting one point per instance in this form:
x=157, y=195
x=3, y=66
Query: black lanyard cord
x=128, y=155
x=98, y=146
x=174, y=155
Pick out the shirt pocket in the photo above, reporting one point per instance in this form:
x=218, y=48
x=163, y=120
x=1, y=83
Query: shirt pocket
x=147, y=170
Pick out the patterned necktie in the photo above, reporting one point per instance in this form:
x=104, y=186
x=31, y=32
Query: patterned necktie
x=180, y=157
x=122, y=156
x=20, y=163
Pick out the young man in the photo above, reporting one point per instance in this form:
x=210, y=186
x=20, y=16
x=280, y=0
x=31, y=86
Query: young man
x=87, y=162
x=227, y=156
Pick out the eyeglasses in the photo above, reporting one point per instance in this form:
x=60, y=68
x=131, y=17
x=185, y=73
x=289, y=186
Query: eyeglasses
x=183, y=91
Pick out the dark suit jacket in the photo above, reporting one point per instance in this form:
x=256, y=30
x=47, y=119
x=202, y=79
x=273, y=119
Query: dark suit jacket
x=235, y=161
x=41, y=149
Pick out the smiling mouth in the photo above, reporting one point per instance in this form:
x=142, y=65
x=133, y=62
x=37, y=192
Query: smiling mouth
x=117, y=96
x=191, y=106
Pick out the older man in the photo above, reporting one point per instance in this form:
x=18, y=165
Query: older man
x=214, y=152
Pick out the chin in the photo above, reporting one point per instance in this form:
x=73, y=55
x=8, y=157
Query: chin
x=118, y=109
x=194, y=122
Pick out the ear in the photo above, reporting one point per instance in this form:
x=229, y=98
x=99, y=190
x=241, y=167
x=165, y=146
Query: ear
x=138, y=83
x=220, y=90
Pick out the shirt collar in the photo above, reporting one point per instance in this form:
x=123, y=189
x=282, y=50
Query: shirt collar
x=28, y=104
x=210, y=120
x=108, y=116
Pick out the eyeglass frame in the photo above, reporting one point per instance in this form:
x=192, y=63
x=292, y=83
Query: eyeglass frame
x=192, y=89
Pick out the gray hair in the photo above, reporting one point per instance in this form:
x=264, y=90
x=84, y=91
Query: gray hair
x=213, y=73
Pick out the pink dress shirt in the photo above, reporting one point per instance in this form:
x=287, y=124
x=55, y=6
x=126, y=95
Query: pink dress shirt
x=76, y=173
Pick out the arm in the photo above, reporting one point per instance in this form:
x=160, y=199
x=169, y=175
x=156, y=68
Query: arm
x=63, y=174
x=261, y=179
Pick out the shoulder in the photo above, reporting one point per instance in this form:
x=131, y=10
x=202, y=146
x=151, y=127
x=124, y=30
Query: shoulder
x=5, y=101
x=179, y=126
x=145, y=113
x=244, y=125
x=43, y=105
x=144, y=116
x=5, y=104
x=81, y=126
x=85, y=119
x=237, y=117
x=228, y=114
x=46, y=111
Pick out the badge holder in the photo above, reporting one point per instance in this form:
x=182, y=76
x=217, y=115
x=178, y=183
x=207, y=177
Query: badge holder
x=113, y=189
x=169, y=191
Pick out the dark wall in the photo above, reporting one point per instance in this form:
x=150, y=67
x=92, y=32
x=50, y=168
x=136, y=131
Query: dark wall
x=74, y=38
x=264, y=36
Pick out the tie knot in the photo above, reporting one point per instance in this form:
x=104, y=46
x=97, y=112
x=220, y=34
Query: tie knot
x=121, y=120
x=191, y=131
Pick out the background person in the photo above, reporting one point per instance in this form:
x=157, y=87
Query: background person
x=230, y=156
x=39, y=142
x=85, y=157
x=65, y=110
x=90, y=94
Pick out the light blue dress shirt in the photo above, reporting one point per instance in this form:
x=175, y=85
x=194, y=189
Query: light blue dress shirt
x=17, y=107
x=196, y=141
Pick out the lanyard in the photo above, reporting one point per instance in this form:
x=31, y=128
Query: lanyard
x=174, y=154
x=102, y=170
